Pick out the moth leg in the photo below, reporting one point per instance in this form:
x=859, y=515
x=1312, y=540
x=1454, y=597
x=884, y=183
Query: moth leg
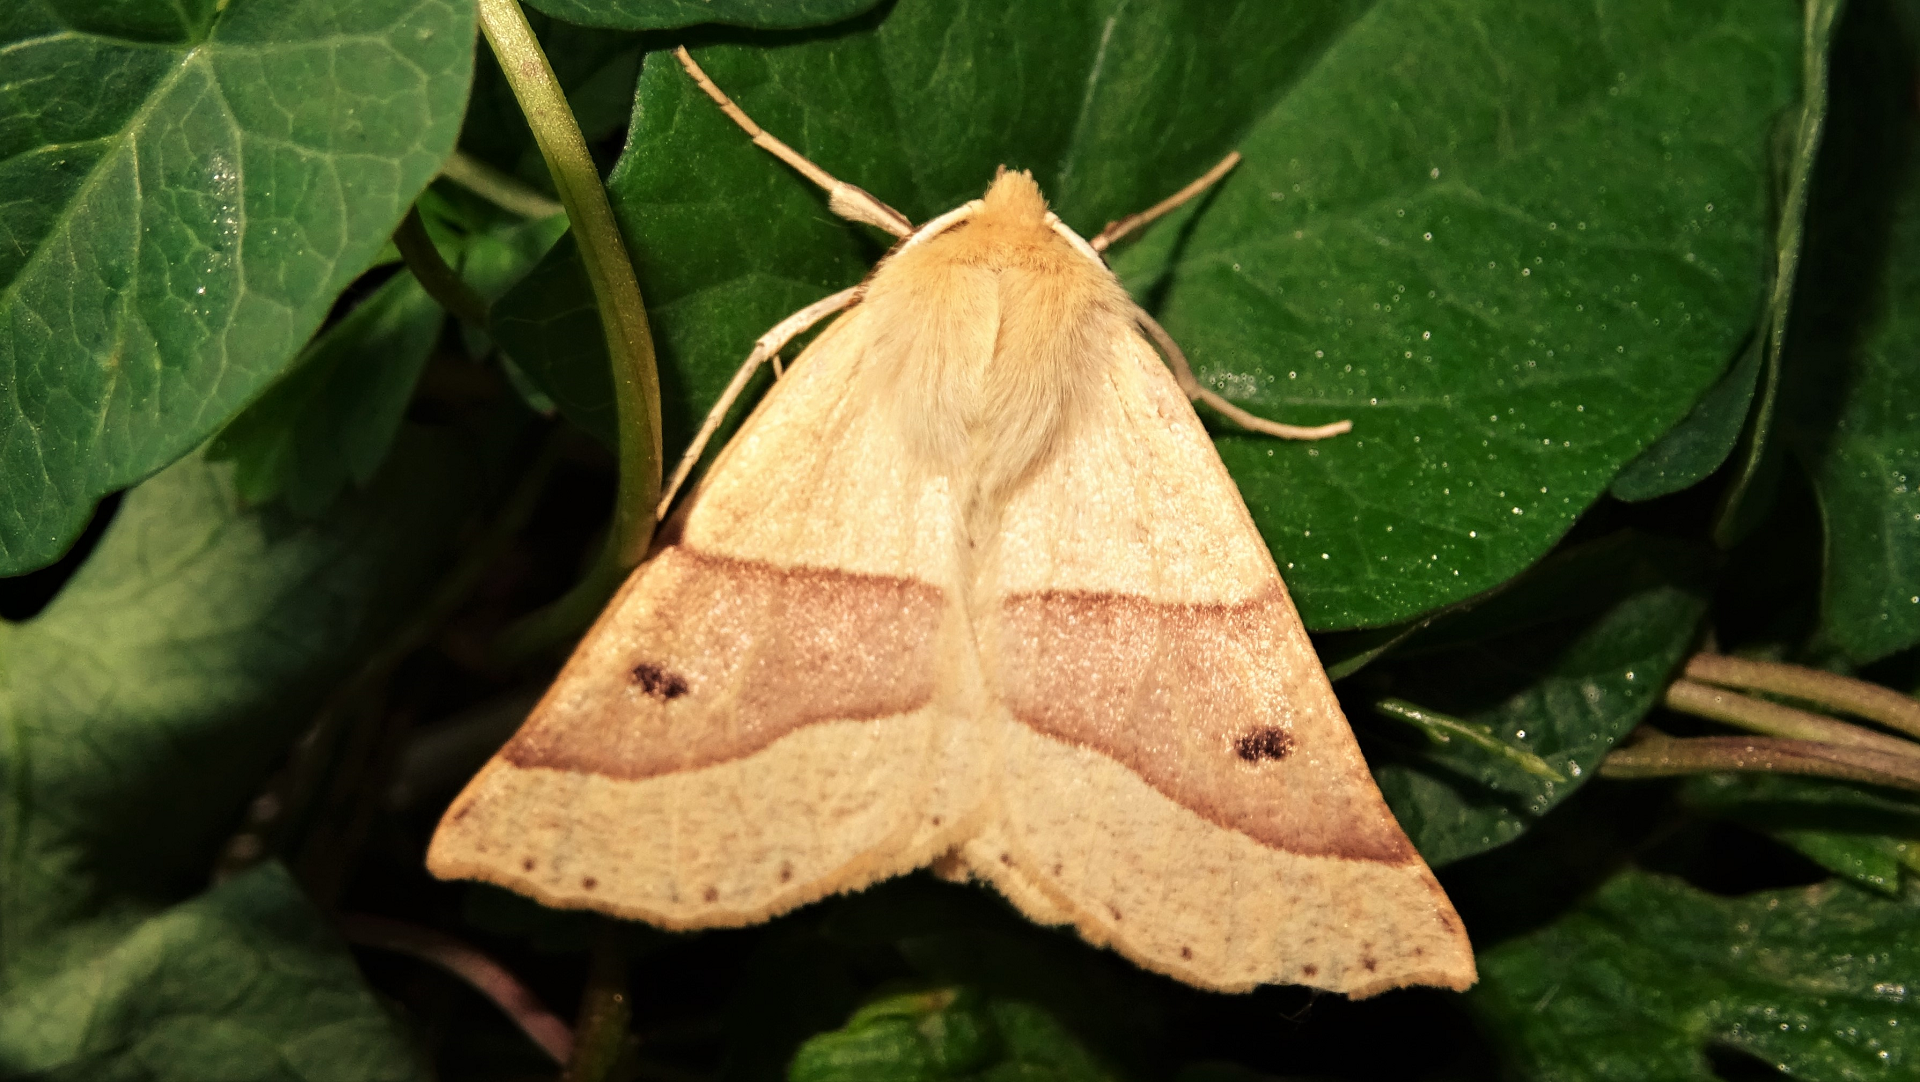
x=847, y=200
x=767, y=345
x=1115, y=230
x=1184, y=376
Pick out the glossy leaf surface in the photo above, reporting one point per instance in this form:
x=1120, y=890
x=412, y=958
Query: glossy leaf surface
x=184, y=190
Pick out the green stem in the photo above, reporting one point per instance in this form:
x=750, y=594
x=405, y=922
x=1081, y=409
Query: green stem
x=1831, y=690
x=1772, y=719
x=1443, y=729
x=441, y=282
x=600, y=1036
x=623, y=316
x=1657, y=755
x=498, y=188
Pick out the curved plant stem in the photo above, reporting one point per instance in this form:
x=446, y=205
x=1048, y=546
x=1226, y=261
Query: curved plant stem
x=1772, y=719
x=1657, y=755
x=1831, y=690
x=482, y=973
x=600, y=1037
x=616, y=291
x=441, y=282
x=498, y=188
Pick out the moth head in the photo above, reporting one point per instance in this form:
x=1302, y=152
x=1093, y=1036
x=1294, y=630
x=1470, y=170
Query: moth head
x=1015, y=197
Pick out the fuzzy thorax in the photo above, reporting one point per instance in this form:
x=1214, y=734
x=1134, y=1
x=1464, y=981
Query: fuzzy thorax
x=987, y=340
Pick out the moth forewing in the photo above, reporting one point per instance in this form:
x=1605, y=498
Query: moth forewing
x=969, y=588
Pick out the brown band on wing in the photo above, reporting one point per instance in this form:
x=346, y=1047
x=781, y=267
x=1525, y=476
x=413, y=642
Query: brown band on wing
x=702, y=659
x=1221, y=707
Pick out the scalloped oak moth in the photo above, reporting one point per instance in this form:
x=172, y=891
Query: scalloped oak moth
x=970, y=588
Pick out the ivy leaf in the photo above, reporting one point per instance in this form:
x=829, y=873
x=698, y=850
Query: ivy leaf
x=1513, y=276
x=330, y=419
x=1756, y=469
x=244, y=982
x=1853, y=416
x=668, y=14
x=1563, y=665
x=946, y=1033
x=146, y=703
x=185, y=189
x=1694, y=448
x=549, y=325
x=1870, y=836
x=1650, y=975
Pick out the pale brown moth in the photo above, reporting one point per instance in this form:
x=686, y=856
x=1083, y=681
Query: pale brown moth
x=972, y=589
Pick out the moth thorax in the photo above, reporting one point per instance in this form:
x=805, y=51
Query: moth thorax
x=988, y=339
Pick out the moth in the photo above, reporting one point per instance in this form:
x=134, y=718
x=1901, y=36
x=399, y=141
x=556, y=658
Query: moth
x=970, y=589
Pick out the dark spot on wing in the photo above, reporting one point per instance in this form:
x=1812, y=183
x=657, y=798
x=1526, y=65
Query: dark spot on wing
x=526, y=865
x=658, y=682
x=1186, y=952
x=712, y=895
x=1308, y=971
x=1264, y=744
x=589, y=883
x=786, y=871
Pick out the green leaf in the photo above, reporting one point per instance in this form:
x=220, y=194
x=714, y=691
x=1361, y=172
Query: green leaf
x=1513, y=266
x=549, y=326
x=1756, y=467
x=1649, y=974
x=175, y=240
x=1694, y=448
x=142, y=709
x=1854, y=414
x=1561, y=665
x=331, y=418
x=1870, y=836
x=947, y=1033
x=244, y=983
x=668, y=14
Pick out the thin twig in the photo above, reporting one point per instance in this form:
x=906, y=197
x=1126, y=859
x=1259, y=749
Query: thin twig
x=1772, y=719
x=1657, y=755
x=1831, y=690
x=430, y=269
x=483, y=974
x=1117, y=230
x=498, y=188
